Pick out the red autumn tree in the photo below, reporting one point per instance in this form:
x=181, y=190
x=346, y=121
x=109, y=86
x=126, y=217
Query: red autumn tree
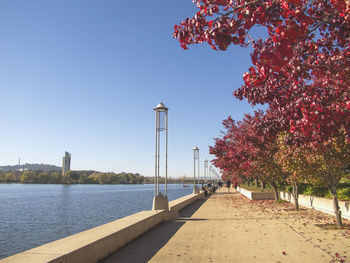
x=227, y=150
x=261, y=136
x=248, y=147
x=301, y=69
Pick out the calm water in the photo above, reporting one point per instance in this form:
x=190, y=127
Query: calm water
x=32, y=215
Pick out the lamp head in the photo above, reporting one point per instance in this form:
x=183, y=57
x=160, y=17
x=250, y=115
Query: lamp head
x=160, y=107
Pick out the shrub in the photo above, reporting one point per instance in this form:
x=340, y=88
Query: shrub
x=316, y=190
x=301, y=188
x=344, y=194
x=289, y=188
x=322, y=191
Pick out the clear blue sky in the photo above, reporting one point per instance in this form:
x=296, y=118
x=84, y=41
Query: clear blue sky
x=83, y=76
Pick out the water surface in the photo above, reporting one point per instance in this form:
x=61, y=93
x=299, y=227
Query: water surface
x=32, y=215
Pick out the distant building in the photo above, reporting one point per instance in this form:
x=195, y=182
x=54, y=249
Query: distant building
x=19, y=165
x=66, y=163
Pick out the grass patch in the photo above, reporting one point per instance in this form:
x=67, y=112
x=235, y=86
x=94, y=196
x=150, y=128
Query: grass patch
x=255, y=188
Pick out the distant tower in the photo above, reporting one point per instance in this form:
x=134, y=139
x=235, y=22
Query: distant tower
x=19, y=164
x=66, y=163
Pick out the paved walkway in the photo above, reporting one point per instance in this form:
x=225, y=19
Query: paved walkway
x=230, y=228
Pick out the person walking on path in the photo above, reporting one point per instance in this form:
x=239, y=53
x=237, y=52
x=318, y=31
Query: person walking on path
x=235, y=185
x=228, y=184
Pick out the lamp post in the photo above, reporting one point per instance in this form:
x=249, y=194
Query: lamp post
x=195, y=157
x=205, y=169
x=208, y=173
x=160, y=202
x=216, y=178
x=214, y=174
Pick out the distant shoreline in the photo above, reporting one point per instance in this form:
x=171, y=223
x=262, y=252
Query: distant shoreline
x=95, y=183
x=82, y=177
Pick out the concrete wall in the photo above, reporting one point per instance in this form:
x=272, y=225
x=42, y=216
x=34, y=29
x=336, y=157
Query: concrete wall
x=182, y=202
x=318, y=203
x=256, y=195
x=95, y=244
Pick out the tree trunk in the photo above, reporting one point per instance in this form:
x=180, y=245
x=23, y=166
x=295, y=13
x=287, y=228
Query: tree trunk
x=275, y=190
x=296, y=196
x=263, y=185
x=257, y=182
x=337, y=208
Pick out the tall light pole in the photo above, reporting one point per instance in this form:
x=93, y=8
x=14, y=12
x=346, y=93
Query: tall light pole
x=216, y=174
x=159, y=201
x=209, y=169
x=208, y=172
x=205, y=169
x=195, y=157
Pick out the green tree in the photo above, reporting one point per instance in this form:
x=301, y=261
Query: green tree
x=84, y=179
x=74, y=176
x=132, y=179
x=28, y=177
x=43, y=178
x=56, y=177
x=331, y=161
x=294, y=161
x=124, y=178
x=93, y=178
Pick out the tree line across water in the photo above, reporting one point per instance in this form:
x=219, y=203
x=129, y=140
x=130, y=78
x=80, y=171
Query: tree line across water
x=82, y=177
x=72, y=177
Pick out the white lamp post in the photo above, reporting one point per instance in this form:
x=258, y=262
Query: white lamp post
x=205, y=169
x=195, y=157
x=211, y=173
x=160, y=201
x=216, y=178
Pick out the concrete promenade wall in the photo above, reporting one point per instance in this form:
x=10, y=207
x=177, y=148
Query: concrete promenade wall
x=182, y=202
x=318, y=203
x=95, y=244
x=256, y=195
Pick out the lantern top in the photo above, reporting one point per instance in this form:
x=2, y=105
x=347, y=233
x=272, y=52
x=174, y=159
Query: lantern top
x=195, y=148
x=160, y=107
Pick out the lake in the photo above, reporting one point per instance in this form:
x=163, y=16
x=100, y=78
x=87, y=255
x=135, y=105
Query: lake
x=32, y=215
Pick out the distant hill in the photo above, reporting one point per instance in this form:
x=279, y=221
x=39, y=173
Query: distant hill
x=30, y=167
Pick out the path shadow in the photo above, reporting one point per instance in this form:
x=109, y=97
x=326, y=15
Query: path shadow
x=191, y=209
x=146, y=246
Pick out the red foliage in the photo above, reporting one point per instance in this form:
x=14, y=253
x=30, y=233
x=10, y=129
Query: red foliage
x=301, y=70
x=248, y=147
